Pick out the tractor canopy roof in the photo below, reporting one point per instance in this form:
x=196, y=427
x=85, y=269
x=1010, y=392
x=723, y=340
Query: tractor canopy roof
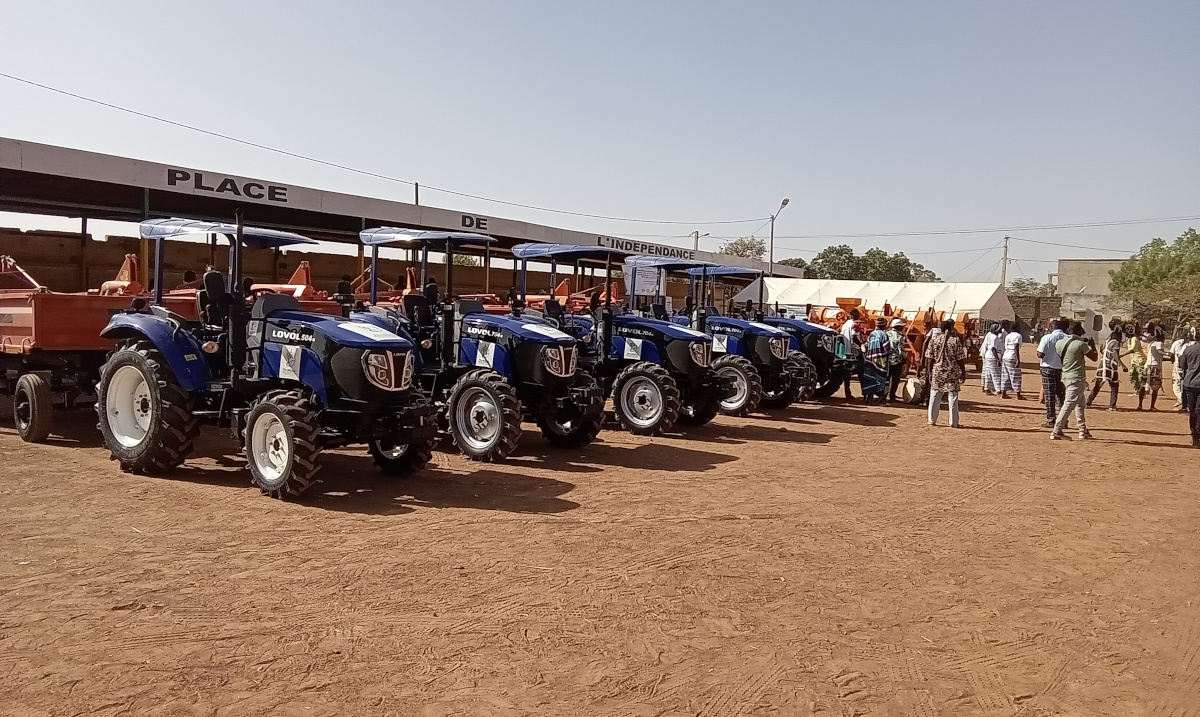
x=416, y=237
x=565, y=252
x=252, y=237
x=666, y=263
x=713, y=270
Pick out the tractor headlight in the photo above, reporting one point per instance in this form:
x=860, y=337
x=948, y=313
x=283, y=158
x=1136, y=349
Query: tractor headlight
x=779, y=347
x=699, y=351
x=828, y=342
x=559, y=360
x=381, y=370
x=406, y=374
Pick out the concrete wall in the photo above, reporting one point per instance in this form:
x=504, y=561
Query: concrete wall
x=63, y=261
x=1028, y=308
x=1090, y=276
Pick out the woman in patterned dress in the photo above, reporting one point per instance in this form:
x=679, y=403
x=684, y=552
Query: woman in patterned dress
x=1111, y=367
x=949, y=357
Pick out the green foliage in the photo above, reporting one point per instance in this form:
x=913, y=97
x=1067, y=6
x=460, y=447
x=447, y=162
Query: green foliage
x=795, y=261
x=1030, y=287
x=748, y=247
x=1157, y=262
x=840, y=262
x=465, y=260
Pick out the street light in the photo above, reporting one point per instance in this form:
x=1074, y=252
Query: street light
x=771, y=256
x=696, y=239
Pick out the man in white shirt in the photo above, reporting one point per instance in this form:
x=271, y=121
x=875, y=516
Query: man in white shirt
x=853, y=348
x=1173, y=355
x=1054, y=393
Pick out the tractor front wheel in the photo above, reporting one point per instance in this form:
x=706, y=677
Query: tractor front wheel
x=747, y=384
x=700, y=409
x=33, y=407
x=400, y=459
x=575, y=430
x=645, y=399
x=484, y=416
x=145, y=415
x=280, y=443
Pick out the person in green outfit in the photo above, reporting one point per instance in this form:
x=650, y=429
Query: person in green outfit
x=1074, y=349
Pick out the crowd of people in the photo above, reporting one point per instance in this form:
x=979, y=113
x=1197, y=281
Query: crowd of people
x=1063, y=353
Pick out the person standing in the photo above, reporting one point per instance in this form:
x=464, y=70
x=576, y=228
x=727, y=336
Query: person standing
x=874, y=378
x=853, y=347
x=1111, y=367
x=1010, y=360
x=898, y=361
x=1051, y=367
x=1189, y=366
x=990, y=350
x=1152, y=366
x=1177, y=348
x=949, y=358
x=1072, y=352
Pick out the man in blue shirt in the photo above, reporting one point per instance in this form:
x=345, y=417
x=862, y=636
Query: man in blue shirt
x=1052, y=386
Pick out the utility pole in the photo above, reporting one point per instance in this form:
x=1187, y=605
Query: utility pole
x=696, y=240
x=1004, y=265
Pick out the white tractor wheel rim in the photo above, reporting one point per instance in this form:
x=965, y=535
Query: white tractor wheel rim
x=129, y=406
x=477, y=418
x=643, y=402
x=740, y=385
x=270, y=447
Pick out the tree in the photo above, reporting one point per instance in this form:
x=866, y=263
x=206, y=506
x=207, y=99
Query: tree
x=465, y=260
x=1157, y=262
x=836, y=262
x=795, y=261
x=840, y=262
x=1175, y=301
x=1030, y=287
x=748, y=247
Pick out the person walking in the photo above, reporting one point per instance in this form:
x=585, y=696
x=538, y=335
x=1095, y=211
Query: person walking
x=1189, y=365
x=1072, y=352
x=1152, y=365
x=1051, y=368
x=1111, y=367
x=898, y=361
x=874, y=375
x=1010, y=360
x=853, y=347
x=1177, y=348
x=991, y=350
x=949, y=358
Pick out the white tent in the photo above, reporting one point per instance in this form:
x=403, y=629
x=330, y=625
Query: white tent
x=983, y=300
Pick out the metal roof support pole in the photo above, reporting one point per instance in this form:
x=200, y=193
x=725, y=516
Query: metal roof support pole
x=374, y=274
x=524, y=278
x=487, y=268
x=83, y=246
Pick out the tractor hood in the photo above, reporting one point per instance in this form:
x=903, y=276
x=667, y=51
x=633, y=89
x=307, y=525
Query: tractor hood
x=631, y=324
x=726, y=324
x=799, y=325
x=300, y=327
x=493, y=326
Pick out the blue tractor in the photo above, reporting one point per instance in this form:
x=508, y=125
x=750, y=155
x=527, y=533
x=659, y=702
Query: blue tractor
x=750, y=353
x=655, y=371
x=485, y=372
x=824, y=348
x=288, y=383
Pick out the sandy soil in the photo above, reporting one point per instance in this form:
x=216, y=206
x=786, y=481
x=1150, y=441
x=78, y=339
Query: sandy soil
x=835, y=560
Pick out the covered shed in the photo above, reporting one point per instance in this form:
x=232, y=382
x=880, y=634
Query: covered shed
x=985, y=300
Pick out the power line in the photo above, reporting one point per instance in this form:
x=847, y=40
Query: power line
x=355, y=170
x=1071, y=246
x=974, y=261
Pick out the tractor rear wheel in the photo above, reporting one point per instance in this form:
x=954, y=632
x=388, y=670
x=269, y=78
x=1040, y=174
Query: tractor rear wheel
x=400, y=459
x=280, y=443
x=700, y=409
x=645, y=399
x=746, y=381
x=575, y=431
x=484, y=416
x=33, y=407
x=145, y=415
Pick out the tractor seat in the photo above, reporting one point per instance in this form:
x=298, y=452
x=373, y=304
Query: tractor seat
x=462, y=307
x=268, y=304
x=416, y=308
x=659, y=312
x=554, y=312
x=713, y=311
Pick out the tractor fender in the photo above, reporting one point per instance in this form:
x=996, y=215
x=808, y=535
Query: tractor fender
x=178, y=347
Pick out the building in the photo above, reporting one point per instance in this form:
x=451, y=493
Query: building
x=1083, y=284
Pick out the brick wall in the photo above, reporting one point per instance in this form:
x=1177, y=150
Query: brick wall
x=1028, y=308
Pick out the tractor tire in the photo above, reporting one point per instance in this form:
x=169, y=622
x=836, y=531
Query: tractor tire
x=827, y=389
x=576, y=432
x=280, y=443
x=400, y=460
x=808, y=372
x=145, y=415
x=645, y=399
x=700, y=410
x=33, y=408
x=804, y=380
x=484, y=416
x=749, y=385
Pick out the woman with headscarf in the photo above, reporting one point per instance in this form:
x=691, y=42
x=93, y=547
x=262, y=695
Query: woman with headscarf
x=992, y=345
x=1152, y=365
x=874, y=375
x=1010, y=360
x=949, y=358
x=1111, y=366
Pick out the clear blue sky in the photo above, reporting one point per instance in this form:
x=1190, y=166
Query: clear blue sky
x=872, y=117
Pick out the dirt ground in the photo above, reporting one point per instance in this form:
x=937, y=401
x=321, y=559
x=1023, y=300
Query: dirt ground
x=832, y=560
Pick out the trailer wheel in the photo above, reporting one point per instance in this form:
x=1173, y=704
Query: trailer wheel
x=645, y=399
x=484, y=416
x=33, y=408
x=281, y=443
x=400, y=459
x=577, y=430
x=145, y=415
x=747, y=382
x=700, y=409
